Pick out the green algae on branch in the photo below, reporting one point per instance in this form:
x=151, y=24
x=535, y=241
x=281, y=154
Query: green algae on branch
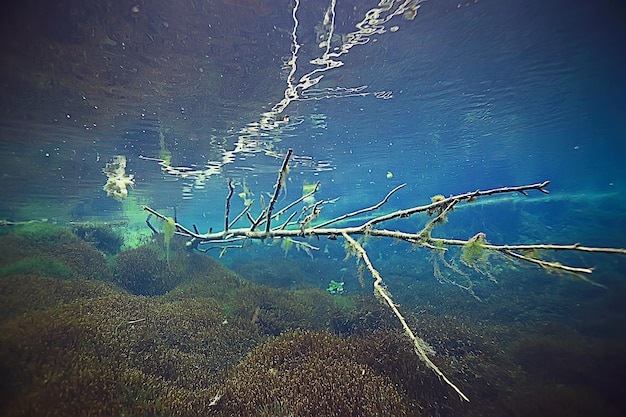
x=473, y=252
x=169, y=227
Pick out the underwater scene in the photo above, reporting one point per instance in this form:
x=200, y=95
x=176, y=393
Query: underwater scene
x=313, y=208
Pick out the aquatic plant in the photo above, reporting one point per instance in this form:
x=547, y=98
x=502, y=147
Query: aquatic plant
x=335, y=287
x=20, y=293
x=220, y=345
x=286, y=244
x=41, y=233
x=572, y=369
x=83, y=348
x=300, y=226
x=169, y=227
x=67, y=347
x=42, y=266
x=272, y=311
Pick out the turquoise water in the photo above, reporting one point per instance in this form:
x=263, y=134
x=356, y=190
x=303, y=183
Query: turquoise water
x=461, y=96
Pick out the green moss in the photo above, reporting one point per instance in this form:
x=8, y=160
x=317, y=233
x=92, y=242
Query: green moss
x=115, y=354
x=42, y=233
x=344, y=303
x=43, y=266
x=286, y=244
x=273, y=311
x=78, y=347
x=169, y=229
x=474, y=253
x=437, y=198
x=22, y=293
x=55, y=251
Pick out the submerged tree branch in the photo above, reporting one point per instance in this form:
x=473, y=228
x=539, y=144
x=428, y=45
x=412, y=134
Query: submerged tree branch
x=301, y=225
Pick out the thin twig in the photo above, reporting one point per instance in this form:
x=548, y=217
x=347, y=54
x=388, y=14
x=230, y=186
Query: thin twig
x=231, y=190
x=282, y=175
x=358, y=212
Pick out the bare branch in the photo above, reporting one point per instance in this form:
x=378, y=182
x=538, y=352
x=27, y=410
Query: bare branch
x=240, y=215
x=231, y=190
x=358, y=212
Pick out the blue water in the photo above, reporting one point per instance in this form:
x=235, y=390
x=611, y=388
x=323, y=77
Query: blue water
x=466, y=96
